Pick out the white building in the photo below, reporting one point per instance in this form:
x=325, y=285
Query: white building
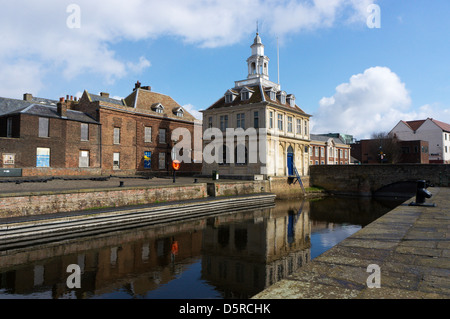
x=436, y=133
x=260, y=104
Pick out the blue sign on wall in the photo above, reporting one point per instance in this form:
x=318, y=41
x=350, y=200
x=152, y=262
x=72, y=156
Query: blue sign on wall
x=148, y=160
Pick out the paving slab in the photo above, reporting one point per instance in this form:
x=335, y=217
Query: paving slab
x=410, y=245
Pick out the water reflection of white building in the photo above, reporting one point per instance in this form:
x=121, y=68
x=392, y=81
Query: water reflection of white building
x=242, y=257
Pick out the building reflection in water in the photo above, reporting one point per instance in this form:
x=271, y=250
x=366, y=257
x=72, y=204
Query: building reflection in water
x=247, y=253
x=239, y=254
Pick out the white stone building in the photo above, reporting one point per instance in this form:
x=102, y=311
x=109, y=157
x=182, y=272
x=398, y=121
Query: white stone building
x=436, y=133
x=257, y=104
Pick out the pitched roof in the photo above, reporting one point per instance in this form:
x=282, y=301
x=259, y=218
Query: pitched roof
x=325, y=138
x=442, y=125
x=146, y=100
x=260, y=94
x=415, y=125
x=8, y=105
x=51, y=112
x=104, y=99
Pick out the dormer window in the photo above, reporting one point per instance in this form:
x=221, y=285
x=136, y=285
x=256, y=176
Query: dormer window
x=282, y=97
x=291, y=100
x=178, y=112
x=230, y=96
x=272, y=94
x=246, y=94
x=158, y=108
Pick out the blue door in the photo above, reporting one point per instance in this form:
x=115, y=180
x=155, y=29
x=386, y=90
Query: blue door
x=290, y=163
x=148, y=160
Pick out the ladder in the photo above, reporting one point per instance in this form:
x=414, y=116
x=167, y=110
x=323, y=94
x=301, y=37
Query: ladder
x=299, y=179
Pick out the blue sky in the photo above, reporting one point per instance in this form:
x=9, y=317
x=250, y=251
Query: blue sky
x=353, y=79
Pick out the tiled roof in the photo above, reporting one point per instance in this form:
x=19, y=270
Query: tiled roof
x=415, y=125
x=142, y=99
x=96, y=98
x=8, y=105
x=442, y=125
x=324, y=139
x=51, y=112
x=259, y=95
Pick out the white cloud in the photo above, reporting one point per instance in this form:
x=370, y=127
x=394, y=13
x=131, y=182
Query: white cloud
x=16, y=76
x=193, y=111
x=37, y=30
x=373, y=101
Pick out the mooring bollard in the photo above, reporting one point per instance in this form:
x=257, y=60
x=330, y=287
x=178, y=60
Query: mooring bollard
x=422, y=194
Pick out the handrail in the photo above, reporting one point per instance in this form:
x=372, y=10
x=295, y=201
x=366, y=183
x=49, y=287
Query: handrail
x=299, y=178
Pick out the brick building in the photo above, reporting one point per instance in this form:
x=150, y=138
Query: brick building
x=373, y=151
x=47, y=136
x=137, y=131
x=96, y=135
x=435, y=132
x=327, y=150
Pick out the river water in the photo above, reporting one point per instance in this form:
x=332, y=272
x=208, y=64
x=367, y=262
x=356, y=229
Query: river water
x=233, y=255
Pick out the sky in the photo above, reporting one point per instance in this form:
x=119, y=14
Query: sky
x=357, y=66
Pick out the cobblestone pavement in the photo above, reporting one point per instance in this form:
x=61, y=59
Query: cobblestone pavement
x=406, y=253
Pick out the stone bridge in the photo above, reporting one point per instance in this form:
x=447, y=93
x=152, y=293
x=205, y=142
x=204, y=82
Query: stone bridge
x=378, y=179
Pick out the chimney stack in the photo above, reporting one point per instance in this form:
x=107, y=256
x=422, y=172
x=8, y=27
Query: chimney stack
x=28, y=97
x=62, y=108
x=103, y=94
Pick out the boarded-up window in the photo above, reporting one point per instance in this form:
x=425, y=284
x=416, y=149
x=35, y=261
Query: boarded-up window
x=43, y=127
x=147, y=134
x=9, y=124
x=42, y=157
x=162, y=135
x=117, y=135
x=116, y=161
x=84, y=132
x=84, y=158
x=162, y=160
